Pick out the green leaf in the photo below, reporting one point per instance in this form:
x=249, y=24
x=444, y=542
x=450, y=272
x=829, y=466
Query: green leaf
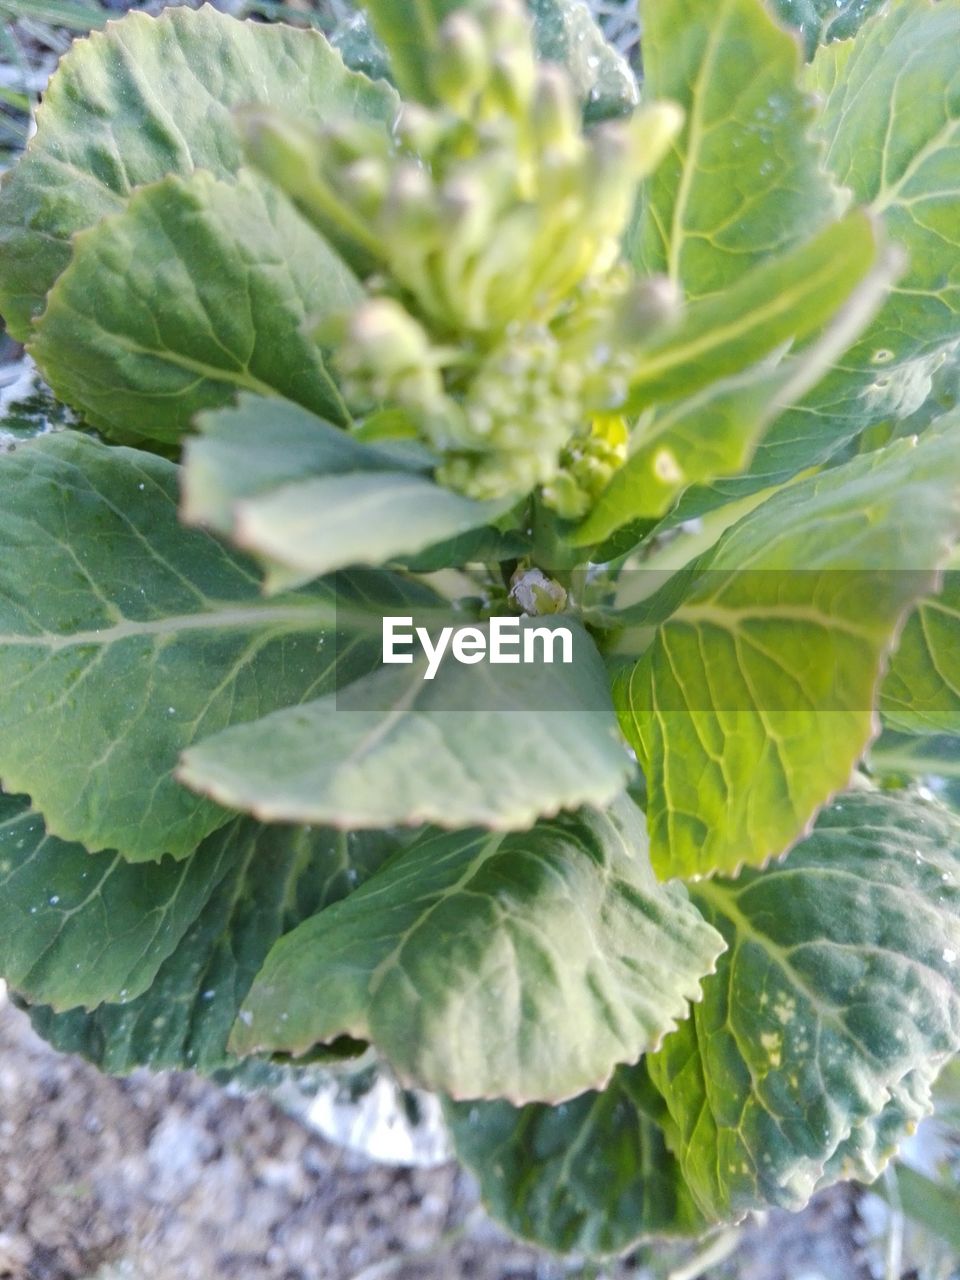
x=467, y=953
x=592, y=1176
x=492, y=745
x=744, y=183
x=317, y=526
x=755, y=700
x=926, y=755
x=124, y=638
x=934, y=1205
x=74, y=14
x=275, y=877
x=248, y=450
x=713, y=433
x=819, y=21
x=783, y=300
x=921, y=692
x=930, y=760
x=79, y=928
x=409, y=32
x=253, y=473
x=197, y=289
x=567, y=33
x=146, y=98
x=891, y=125
x=830, y=1015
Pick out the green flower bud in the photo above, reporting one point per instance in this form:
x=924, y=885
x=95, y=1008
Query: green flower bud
x=386, y=356
x=345, y=140
x=554, y=114
x=410, y=206
x=461, y=68
x=587, y=464
x=419, y=130
x=466, y=214
x=512, y=80
x=564, y=496
x=506, y=24
x=364, y=183
x=381, y=335
x=649, y=305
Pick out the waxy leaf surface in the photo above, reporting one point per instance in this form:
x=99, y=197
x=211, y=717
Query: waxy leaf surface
x=891, y=128
x=197, y=289
x=365, y=518
x=820, y=21
x=524, y=966
x=921, y=692
x=247, y=450
x=273, y=878
x=591, y=1176
x=744, y=182
x=754, y=701
x=78, y=928
x=125, y=637
x=146, y=98
x=494, y=745
x=831, y=1013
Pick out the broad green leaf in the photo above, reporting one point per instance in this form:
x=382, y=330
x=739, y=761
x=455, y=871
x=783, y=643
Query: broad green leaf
x=74, y=14
x=891, y=125
x=744, y=182
x=361, y=48
x=521, y=966
x=275, y=877
x=197, y=289
x=592, y=1176
x=146, y=98
x=78, y=928
x=125, y=637
x=925, y=755
x=493, y=745
x=921, y=692
x=245, y=451
x=819, y=21
x=780, y=301
x=567, y=33
x=831, y=1013
x=714, y=432
x=265, y=456
x=317, y=526
x=928, y=760
x=410, y=33
x=755, y=700
x=932, y=1203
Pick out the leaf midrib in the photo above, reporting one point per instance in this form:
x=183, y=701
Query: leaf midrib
x=295, y=617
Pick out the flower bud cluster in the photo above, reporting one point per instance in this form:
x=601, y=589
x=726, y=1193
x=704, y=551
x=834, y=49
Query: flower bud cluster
x=489, y=229
x=587, y=465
